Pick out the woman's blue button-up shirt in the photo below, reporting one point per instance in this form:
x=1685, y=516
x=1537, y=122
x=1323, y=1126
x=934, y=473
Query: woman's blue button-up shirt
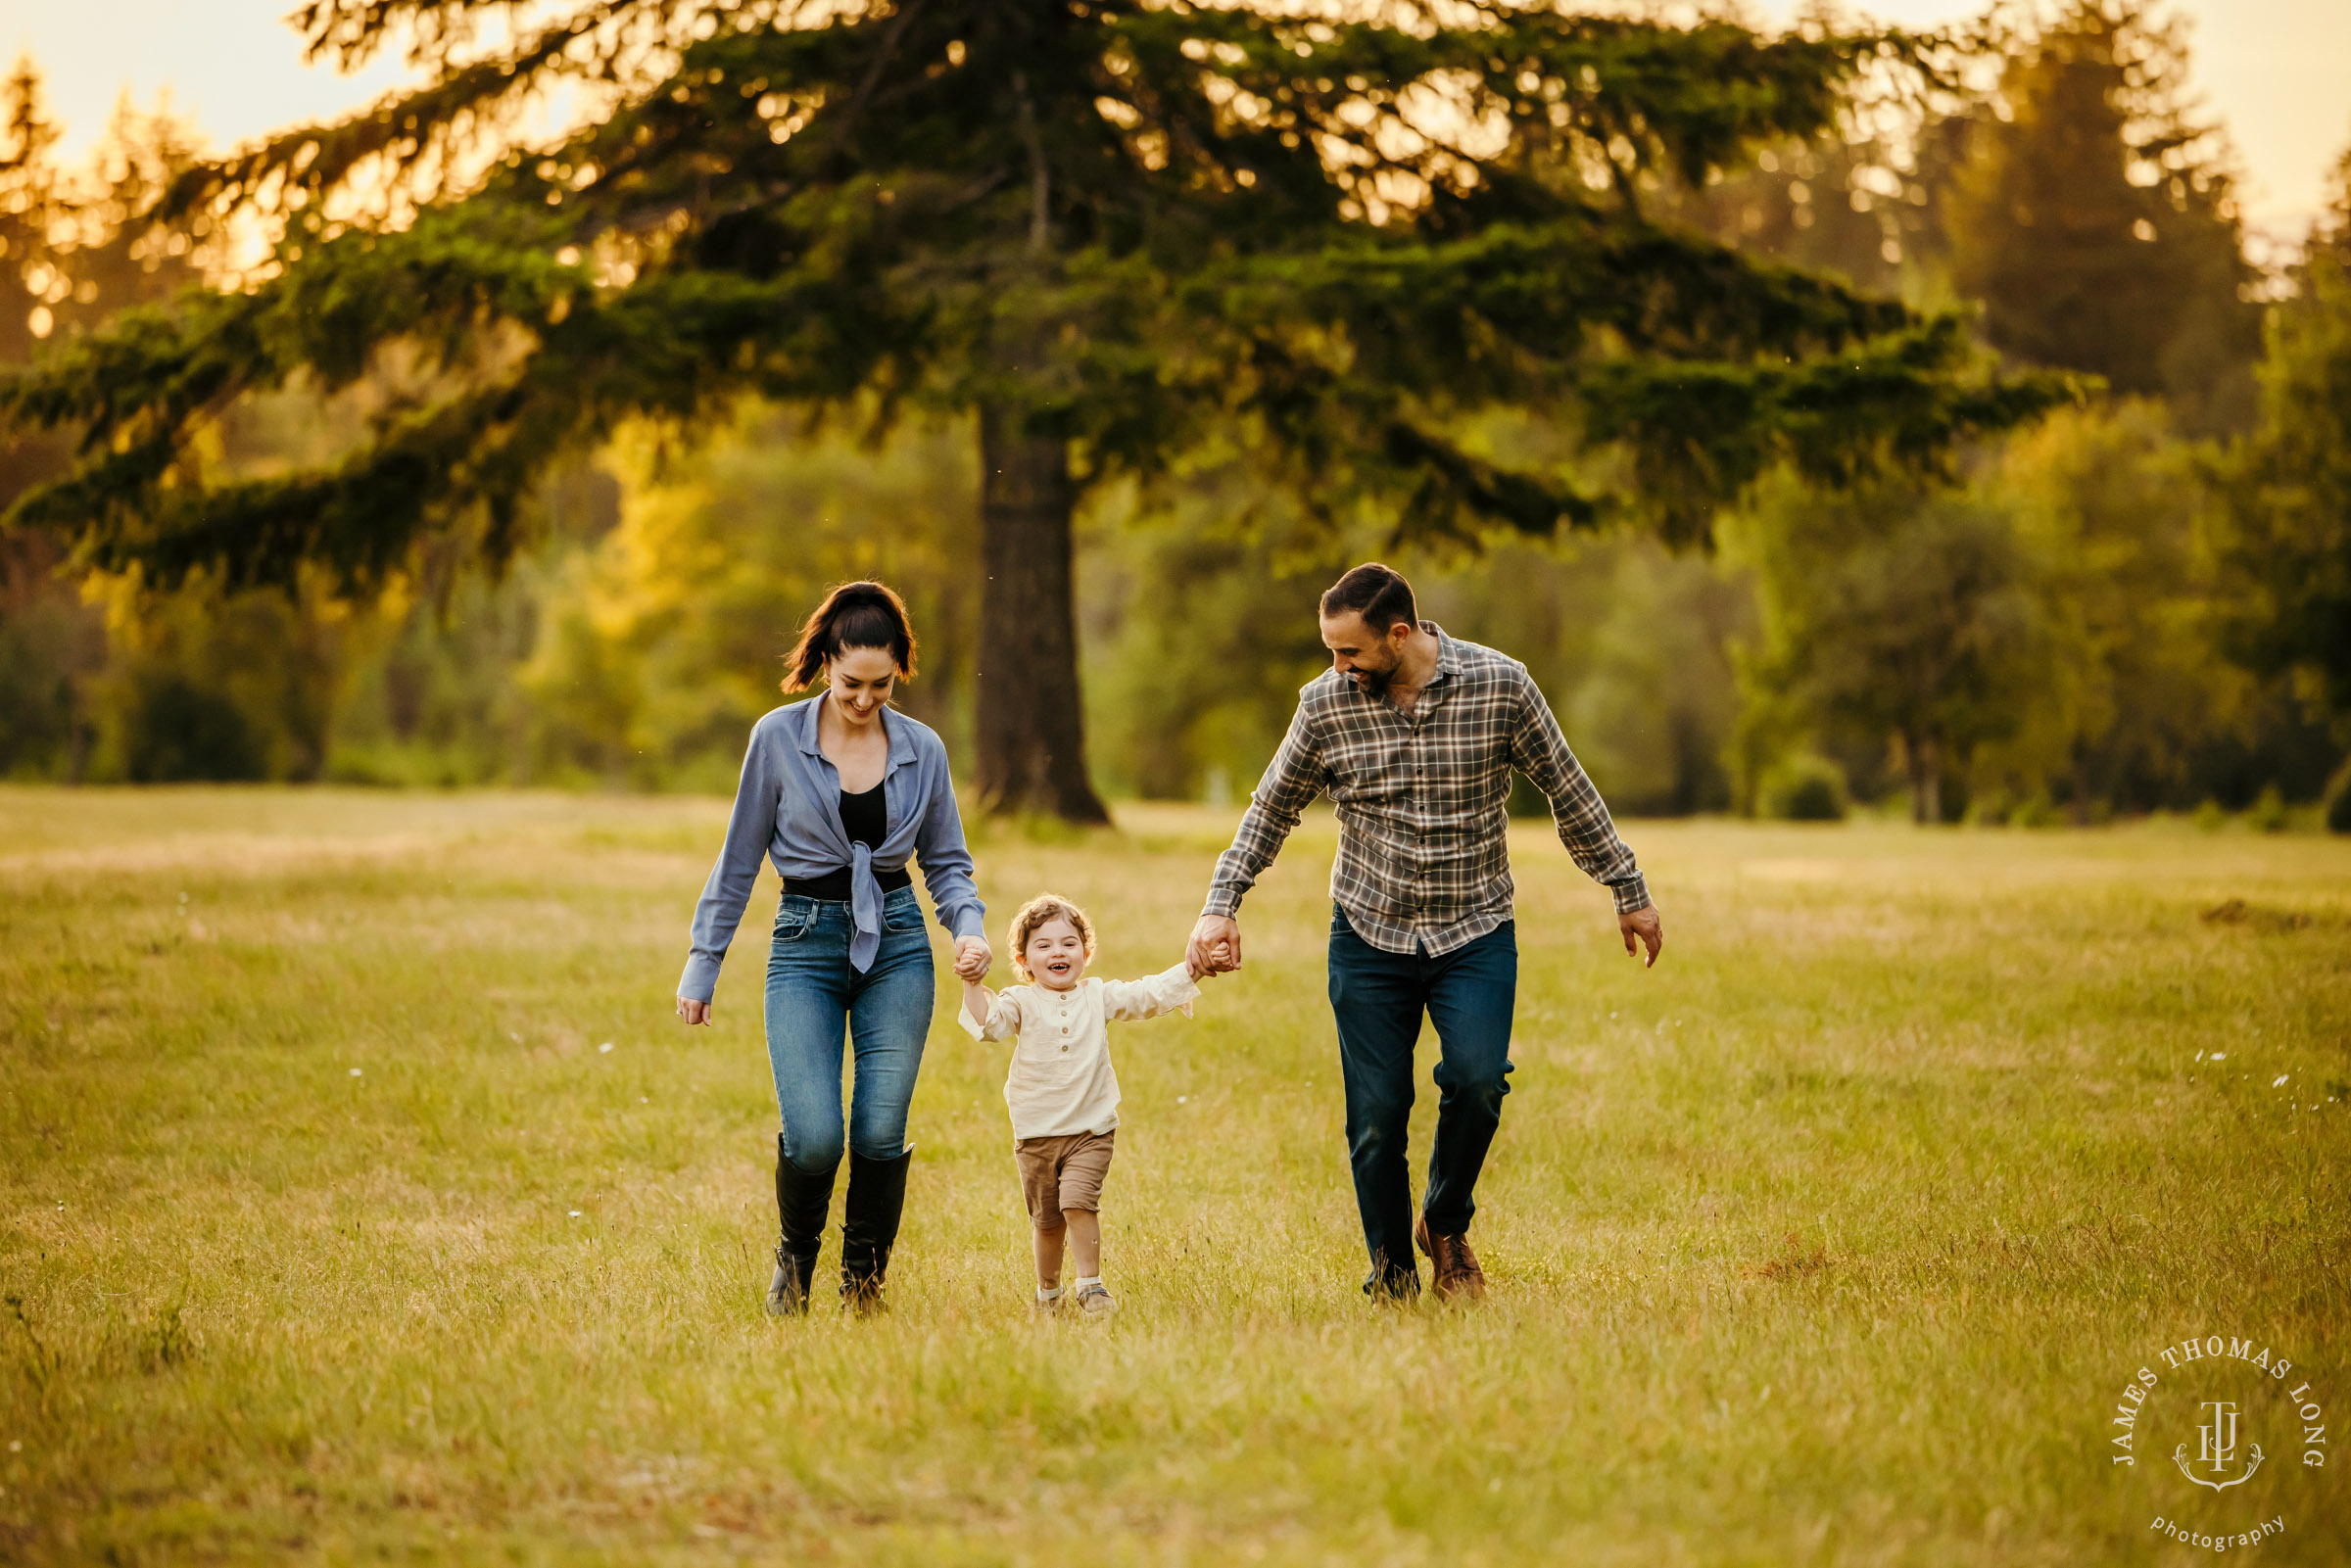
x=788, y=803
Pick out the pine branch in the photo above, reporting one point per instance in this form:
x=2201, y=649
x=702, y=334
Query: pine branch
x=1454, y=486
x=1698, y=433
x=405, y=130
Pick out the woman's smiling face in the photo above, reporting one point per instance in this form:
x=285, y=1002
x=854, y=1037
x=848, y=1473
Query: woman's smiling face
x=860, y=681
x=1055, y=956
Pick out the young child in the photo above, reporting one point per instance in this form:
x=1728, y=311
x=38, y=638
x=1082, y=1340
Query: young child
x=1063, y=1095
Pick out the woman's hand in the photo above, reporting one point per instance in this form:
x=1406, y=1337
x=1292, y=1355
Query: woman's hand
x=693, y=1012
x=972, y=959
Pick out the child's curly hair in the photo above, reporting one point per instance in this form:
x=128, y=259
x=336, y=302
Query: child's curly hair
x=1035, y=913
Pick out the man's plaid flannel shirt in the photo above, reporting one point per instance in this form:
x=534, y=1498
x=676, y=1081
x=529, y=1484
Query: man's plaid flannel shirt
x=1423, y=853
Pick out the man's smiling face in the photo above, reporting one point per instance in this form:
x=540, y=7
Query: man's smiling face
x=1366, y=658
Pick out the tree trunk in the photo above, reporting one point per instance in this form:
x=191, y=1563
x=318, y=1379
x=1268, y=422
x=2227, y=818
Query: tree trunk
x=1031, y=723
x=1926, y=781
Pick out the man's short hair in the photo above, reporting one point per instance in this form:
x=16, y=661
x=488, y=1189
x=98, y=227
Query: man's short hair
x=1378, y=593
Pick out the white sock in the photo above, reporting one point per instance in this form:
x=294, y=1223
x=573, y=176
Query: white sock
x=1048, y=1292
x=1084, y=1280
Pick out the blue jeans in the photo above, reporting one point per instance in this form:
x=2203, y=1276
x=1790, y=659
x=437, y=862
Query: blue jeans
x=1378, y=998
x=812, y=993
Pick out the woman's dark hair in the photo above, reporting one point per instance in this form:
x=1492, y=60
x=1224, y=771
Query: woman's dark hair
x=854, y=615
x=1378, y=593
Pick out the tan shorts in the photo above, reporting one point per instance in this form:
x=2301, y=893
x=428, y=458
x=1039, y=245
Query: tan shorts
x=1064, y=1173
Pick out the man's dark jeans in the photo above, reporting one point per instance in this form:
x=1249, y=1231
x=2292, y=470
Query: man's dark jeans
x=1378, y=998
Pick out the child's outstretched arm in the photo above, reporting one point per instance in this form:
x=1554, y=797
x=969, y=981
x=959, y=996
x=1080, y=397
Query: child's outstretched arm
x=1171, y=991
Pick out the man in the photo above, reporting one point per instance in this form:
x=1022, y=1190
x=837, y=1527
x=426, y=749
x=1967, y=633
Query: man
x=1414, y=734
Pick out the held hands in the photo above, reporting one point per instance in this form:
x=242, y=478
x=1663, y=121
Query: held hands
x=1215, y=947
x=693, y=1011
x=1642, y=927
x=1218, y=961
x=972, y=959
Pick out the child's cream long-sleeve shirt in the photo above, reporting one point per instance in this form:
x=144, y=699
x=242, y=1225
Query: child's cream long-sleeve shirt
x=1061, y=1080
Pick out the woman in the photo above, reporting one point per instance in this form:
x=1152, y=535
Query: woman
x=839, y=790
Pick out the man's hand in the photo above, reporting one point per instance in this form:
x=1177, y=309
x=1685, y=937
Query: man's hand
x=1641, y=928
x=693, y=1012
x=1215, y=947
x=972, y=959
x=1217, y=961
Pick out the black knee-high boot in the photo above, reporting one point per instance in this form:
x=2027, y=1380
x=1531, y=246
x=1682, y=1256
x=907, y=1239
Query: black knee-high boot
x=801, y=1199
x=869, y=1227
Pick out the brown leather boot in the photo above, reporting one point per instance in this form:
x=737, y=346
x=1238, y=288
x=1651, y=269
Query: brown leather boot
x=1453, y=1263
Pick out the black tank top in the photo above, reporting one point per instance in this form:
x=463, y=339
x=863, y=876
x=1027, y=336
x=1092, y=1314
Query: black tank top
x=865, y=818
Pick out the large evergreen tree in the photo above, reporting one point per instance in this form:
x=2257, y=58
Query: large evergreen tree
x=1108, y=228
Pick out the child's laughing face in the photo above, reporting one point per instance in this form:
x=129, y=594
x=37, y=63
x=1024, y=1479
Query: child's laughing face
x=1055, y=955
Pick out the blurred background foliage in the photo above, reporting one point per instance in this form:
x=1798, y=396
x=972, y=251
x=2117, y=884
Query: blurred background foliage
x=2140, y=606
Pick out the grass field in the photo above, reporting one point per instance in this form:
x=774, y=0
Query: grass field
x=333, y=1231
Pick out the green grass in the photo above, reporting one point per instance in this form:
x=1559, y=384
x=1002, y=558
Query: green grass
x=1833, y=1238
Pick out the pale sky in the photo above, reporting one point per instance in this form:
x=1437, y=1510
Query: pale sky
x=2276, y=73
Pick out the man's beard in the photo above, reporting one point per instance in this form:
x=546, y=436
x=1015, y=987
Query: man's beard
x=1376, y=682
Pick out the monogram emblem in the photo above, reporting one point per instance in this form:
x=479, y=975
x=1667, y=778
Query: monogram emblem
x=2218, y=1450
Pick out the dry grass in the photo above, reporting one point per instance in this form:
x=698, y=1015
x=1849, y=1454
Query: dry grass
x=1830, y=1240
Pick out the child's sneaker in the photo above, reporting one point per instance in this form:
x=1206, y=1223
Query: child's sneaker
x=1096, y=1301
